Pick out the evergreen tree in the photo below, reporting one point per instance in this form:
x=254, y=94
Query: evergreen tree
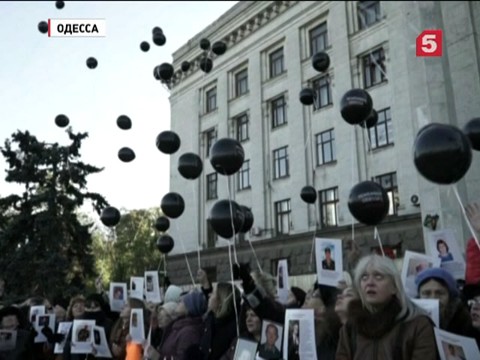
x=45, y=249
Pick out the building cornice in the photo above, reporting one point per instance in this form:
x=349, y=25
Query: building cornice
x=267, y=11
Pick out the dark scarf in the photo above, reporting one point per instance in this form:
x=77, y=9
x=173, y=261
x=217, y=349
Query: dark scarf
x=373, y=325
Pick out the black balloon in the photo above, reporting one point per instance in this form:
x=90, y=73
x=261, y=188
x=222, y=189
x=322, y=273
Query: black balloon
x=204, y=44
x=355, y=106
x=368, y=202
x=144, y=46
x=165, y=71
x=442, y=153
x=219, y=48
x=168, y=142
x=156, y=30
x=307, y=96
x=248, y=221
x=226, y=156
x=92, y=63
x=165, y=244
x=126, y=154
x=43, y=27
x=61, y=120
x=321, y=61
x=172, y=205
x=308, y=194
x=59, y=4
x=162, y=224
x=159, y=39
x=110, y=216
x=472, y=130
x=156, y=72
x=371, y=120
x=222, y=216
x=185, y=66
x=190, y=166
x=206, y=64
x=124, y=122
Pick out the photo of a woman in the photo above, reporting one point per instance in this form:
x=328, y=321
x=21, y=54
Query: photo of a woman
x=294, y=340
x=443, y=251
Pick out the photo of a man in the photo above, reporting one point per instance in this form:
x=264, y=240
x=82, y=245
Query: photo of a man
x=328, y=263
x=149, y=283
x=268, y=350
x=118, y=293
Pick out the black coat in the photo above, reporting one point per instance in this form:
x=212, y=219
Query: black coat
x=218, y=335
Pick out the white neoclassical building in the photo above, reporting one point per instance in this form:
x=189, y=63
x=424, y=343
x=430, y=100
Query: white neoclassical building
x=252, y=95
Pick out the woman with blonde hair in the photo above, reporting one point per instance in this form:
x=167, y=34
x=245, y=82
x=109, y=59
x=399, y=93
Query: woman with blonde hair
x=384, y=321
x=76, y=308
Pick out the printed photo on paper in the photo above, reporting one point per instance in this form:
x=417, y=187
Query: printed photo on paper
x=63, y=328
x=41, y=321
x=413, y=264
x=137, y=327
x=82, y=336
x=283, y=287
x=454, y=347
x=271, y=340
x=299, y=338
x=8, y=340
x=431, y=307
x=444, y=245
x=329, y=258
x=137, y=287
x=117, y=296
x=100, y=342
x=35, y=311
x=152, y=287
x=245, y=350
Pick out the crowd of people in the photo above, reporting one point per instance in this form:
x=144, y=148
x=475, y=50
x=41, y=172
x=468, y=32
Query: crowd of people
x=367, y=316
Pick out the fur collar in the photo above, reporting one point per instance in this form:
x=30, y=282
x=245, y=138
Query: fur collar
x=373, y=325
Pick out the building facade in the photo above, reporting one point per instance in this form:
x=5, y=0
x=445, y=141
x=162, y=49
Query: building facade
x=252, y=95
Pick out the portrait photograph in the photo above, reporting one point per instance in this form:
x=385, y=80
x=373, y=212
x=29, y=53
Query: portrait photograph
x=413, y=264
x=453, y=352
x=271, y=340
x=245, y=350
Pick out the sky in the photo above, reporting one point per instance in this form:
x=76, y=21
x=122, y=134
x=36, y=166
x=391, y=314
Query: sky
x=42, y=77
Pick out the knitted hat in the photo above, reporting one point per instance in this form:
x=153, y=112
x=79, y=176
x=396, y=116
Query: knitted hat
x=169, y=308
x=438, y=274
x=195, y=303
x=299, y=295
x=172, y=294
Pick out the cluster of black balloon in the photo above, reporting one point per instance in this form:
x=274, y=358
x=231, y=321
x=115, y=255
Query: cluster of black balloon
x=158, y=38
x=321, y=63
x=218, y=48
x=125, y=154
x=443, y=152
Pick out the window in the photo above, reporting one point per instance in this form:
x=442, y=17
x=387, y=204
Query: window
x=210, y=137
x=329, y=207
x=326, y=147
x=382, y=133
x=276, y=63
x=211, y=100
x=282, y=216
x=321, y=86
x=389, y=183
x=277, y=108
x=241, y=82
x=242, y=127
x=368, y=13
x=211, y=236
x=243, y=176
x=374, y=68
x=212, y=186
x=280, y=162
x=318, y=39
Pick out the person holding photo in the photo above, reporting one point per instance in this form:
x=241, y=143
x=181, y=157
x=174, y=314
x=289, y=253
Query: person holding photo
x=443, y=251
x=11, y=318
x=384, y=321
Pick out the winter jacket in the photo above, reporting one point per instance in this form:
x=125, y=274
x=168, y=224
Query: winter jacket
x=472, y=271
x=23, y=347
x=457, y=319
x=380, y=336
x=218, y=335
x=183, y=334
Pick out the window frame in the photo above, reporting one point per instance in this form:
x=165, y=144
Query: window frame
x=279, y=158
x=314, y=38
x=274, y=108
x=212, y=186
x=274, y=57
x=317, y=85
x=279, y=216
x=208, y=97
x=243, y=172
x=242, y=122
x=210, y=140
x=392, y=190
x=372, y=75
x=386, y=124
x=241, y=77
x=321, y=143
x=362, y=8
x=323, y=194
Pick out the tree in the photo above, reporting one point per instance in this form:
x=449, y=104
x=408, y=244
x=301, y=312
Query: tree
x=132, y=250
x=44, y=247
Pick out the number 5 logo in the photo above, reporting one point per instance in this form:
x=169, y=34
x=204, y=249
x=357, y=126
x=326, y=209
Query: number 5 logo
x=430, y=43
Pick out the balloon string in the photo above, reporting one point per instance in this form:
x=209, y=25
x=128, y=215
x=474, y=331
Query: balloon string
x=377, y=236
x=233, y=288
x=186, y=259
x=470, y=227
x=353, y=148
x=370, y=150
x=314, y=236
x=255, y=256
x=231, y=219
x=195, y=206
